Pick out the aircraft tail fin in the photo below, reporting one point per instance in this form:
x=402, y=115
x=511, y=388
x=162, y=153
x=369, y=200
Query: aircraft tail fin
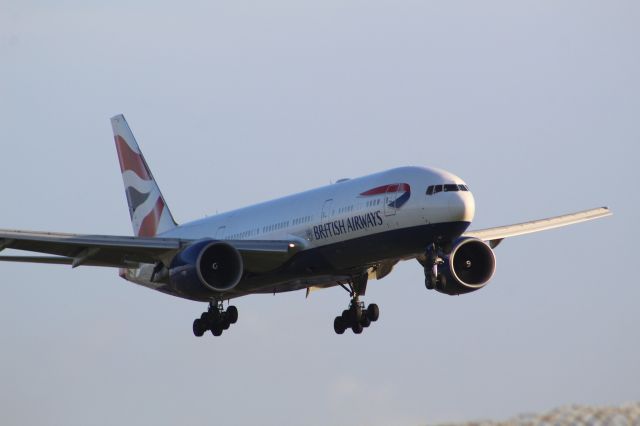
x=149, y=212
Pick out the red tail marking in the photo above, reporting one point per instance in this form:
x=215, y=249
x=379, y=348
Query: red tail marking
x=149, y=225
x=130, y=160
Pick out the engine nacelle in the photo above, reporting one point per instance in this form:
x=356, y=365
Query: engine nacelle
x=468, y=267
x=205, y=267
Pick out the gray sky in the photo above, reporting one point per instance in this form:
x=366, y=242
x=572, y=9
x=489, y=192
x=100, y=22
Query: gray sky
x=535, y=104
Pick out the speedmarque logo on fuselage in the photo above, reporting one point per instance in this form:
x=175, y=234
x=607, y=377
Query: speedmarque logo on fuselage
x=401, y=191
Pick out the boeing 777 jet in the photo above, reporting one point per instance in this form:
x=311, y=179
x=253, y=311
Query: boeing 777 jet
x=342, y=234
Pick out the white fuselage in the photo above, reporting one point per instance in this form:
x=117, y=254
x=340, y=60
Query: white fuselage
x=297, y=215
x=379, y=210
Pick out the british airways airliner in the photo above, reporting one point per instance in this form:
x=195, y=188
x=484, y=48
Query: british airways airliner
x=342, y=234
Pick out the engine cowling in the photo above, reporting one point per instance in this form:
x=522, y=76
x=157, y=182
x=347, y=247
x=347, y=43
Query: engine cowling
x=468, y=267
x=205, y=267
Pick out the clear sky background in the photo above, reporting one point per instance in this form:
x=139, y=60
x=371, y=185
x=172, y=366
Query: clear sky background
x=534, y=103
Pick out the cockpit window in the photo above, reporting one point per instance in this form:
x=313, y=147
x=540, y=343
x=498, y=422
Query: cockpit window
x=450, y=187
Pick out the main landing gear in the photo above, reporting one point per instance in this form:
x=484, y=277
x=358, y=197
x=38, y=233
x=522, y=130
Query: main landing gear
x=215, y=319
x=356, y=317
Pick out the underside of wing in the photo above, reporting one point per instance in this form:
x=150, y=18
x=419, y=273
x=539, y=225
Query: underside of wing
x=495, y=235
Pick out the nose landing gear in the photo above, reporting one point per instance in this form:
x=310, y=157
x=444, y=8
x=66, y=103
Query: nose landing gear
x=432, y=278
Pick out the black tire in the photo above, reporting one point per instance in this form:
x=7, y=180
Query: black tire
x=338, y=325
x=198, y=327
x=365, y=321
x=225, y=324
x=373, y=312
x=209, y=319
x=346, y=316
x=357, y=328
x=430, y=280
x=232, y=314
x=216, y=331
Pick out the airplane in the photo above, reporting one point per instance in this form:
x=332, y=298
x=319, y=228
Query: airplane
x=343, y=234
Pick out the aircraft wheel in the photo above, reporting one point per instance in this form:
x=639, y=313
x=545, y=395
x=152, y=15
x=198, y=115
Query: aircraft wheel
x=346, y=316
x=357, y=328
x=225, y=324
x=366, y=322
x=198, y=327
x=430, y=281
x=338, y=325
x=232, y=314
x=208, y=319
x=373, y=312
x=216, y=331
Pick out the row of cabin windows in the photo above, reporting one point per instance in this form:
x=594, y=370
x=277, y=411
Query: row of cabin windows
x=373, y=202
x=269, y=228
x=345, y=209
x=286, y=223
x=275, y=226
x=299, y=220
x=434, y=189
x=245, y=234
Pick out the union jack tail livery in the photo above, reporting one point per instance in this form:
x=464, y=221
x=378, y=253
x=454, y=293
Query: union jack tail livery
x=149, y=212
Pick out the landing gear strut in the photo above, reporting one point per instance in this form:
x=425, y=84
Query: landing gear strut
x=356, y=317
x=215, y=319
x=433, y=279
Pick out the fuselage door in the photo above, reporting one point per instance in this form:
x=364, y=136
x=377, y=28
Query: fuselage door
x=327, y=211
x=390, y=199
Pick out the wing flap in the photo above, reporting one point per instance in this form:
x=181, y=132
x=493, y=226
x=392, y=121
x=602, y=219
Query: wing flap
x=494, y=235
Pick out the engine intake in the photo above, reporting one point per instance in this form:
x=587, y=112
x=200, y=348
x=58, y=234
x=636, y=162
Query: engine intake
x=206, y=266
x=468, y=267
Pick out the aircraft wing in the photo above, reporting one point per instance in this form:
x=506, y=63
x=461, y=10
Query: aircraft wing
x=495, y=235
x=127, y=252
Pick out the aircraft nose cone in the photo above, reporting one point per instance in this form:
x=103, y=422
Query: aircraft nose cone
x=462, y=207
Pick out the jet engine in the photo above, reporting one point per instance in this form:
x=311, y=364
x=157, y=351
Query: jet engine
x=205, y=267
x=468, y=267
